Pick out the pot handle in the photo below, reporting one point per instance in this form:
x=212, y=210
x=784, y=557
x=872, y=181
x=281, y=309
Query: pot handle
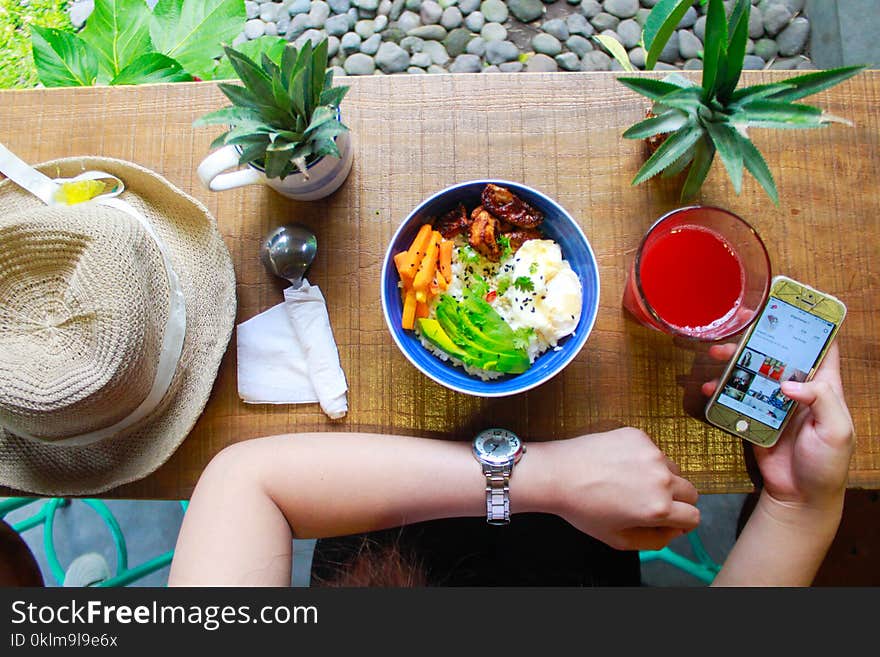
x=211, y=171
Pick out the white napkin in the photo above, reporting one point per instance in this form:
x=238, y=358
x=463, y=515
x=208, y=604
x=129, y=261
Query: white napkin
x=287, y=355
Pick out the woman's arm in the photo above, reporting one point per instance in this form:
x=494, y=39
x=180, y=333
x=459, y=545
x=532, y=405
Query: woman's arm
x=255, y=496
x=799, y=510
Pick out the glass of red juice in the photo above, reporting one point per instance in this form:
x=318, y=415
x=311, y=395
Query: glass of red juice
x=700, y=272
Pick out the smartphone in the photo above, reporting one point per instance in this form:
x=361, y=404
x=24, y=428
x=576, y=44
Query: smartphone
x=786, y=343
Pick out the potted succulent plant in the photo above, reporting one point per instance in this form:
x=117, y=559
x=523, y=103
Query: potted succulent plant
x=284, y=125
x=693, y=121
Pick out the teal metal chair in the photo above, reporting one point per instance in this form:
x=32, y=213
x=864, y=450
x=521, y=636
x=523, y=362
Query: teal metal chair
x=703, y=568
x=45, y=516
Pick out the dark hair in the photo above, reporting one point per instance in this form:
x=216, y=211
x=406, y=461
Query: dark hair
x=374, y=564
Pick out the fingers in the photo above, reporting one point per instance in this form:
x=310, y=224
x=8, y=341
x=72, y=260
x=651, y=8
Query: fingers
x=681, y=515
x=673, y=466
x=684, y=491
x=709, y=387
x=829, y=370
x=722, y=351
x=830, y=414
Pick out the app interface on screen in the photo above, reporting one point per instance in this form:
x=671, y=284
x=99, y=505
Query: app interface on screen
x=784, y=347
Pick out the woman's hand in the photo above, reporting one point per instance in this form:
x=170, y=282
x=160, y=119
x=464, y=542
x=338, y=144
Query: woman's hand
x=808, y=466
x=618, y=487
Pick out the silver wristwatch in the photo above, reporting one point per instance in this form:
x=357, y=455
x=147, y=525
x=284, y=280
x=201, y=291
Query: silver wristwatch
x=498, y=450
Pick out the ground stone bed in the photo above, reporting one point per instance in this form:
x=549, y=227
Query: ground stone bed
x=368, y=37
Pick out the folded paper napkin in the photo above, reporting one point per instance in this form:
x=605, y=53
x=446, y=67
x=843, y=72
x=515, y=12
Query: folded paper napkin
x=287, y=355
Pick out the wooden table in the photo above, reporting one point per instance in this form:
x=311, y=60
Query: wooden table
x=560, y=133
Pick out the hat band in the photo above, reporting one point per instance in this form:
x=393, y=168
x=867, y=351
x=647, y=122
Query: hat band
x=175, y=327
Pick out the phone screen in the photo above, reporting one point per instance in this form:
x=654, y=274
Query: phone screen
x=784, y=346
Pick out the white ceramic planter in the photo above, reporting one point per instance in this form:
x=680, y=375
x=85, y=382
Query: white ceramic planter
x=325, y=175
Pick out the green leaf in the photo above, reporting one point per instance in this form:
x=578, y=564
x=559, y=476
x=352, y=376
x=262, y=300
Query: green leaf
x=679, y=165
x=119, y=32
x=333, y=97
x=319, y=70
x=617, y=51
x=811, y=83
x=252, y=151
x=757, y=166
x=150, y=68
x=661, y=23
x=63, y=59
x=667, y=122
x=736, y=51
x=239, y=95
x=253, y=77
x=726, y=142
x=254, y=49
x=326, y=147
x=775, y=114
x=715, y=46
x=704, y=153
x=649, y=87
x=229, y=116
x=192, y=31
x=669, y=151
x=686, y=100
x=757, y=92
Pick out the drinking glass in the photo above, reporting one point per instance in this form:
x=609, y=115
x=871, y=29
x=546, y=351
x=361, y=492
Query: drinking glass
x=700, y=272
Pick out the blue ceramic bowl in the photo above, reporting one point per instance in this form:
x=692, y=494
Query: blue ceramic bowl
x=558, y=225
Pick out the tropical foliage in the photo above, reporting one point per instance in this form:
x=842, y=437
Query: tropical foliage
x=699, y=120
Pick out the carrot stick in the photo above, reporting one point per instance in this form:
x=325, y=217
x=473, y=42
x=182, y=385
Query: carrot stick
x=405, y=267
x=421, y=310
x=427, y=268
x=409, y=310
x=446, y=259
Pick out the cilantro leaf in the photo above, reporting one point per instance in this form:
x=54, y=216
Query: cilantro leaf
x=506, y=249
x=522, y=336
x=524, y=284
x=468, y=255
x=503, y=284
x=533, y=268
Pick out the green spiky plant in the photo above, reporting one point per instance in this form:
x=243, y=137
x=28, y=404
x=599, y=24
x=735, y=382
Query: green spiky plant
x=695, y=121
x=286, y=114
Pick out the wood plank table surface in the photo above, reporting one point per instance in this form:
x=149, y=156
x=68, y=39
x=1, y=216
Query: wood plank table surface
x=560, y=133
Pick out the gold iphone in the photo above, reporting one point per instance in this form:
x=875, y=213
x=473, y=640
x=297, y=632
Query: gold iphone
x=789, y=340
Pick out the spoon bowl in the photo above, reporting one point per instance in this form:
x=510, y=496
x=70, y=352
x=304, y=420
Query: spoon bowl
x=288, y=251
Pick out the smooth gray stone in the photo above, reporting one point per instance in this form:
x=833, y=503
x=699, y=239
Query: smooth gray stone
x=663, y=66
x=494, y=11
x=408, y=21
x=568, y=61
x=456, y=42
x=436, y=51
x=254, y=28
x=526, y=10
x=511, y=67
x=477, y=47
x=700, y=28
x=669, y=54
x=766, y=49
x=298, y=24
x=590, y=8
x=350, y=42
x=332, y=46
x=421, y=59
x=452, y=18
x=397, y=7
x=430, y=12
x=578, y=24
x=393, y=34
x=493, y=32
x=337, y=25
x=429, y=32
x=466, y=64
x=689, y=45
x=283, y=24
x=630, y=33
x=622, y=8
x=546, y=44
x=433, y=68
x=319, y=13
x=380, y=22
x=753, y=63
x=371, y=45
x=365, y=28
x=792, y=39
x=475, y=21
x=468, y=6
x=391, y=58
x=339, y=6
x=315, y=36
x=579, y=45
x=605, y=21
x=498, y=52
x=359, y=64
x=786, y=63
x=642, y=16
x=367, y=5
x=412, y=44
x=415, y=70
x=541, y=63
x=251, y=10
x=638, y=56
x=776, y=17
x=491, y=69
x=750, y=47
x=557, y=28
x=595, y=61
x=272, y=29
x=688, y=20
x=413, y=5
x=693, y=65
x=298, y=7
x=756, y=24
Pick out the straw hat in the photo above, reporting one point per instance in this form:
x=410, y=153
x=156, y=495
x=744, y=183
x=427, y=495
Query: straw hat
x=86, y=308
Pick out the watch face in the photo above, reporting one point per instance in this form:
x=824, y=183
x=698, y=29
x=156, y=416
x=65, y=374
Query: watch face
x=497, y=446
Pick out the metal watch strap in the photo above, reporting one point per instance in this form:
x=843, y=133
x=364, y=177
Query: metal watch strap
x=497, y=493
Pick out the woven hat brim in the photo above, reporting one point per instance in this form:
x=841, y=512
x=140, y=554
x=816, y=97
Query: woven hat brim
x=203, y=264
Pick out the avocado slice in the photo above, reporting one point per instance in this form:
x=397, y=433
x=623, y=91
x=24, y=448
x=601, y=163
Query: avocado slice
x=434, y=333
x=482, y=351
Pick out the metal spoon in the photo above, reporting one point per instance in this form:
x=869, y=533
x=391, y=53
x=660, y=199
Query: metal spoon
x=288, y=251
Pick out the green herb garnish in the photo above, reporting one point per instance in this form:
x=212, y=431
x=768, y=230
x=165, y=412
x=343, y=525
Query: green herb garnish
x=468, y=255
x=506, y=249
x=522, y=337
x=533, y=268
x=503, y=284
x=524, y=284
